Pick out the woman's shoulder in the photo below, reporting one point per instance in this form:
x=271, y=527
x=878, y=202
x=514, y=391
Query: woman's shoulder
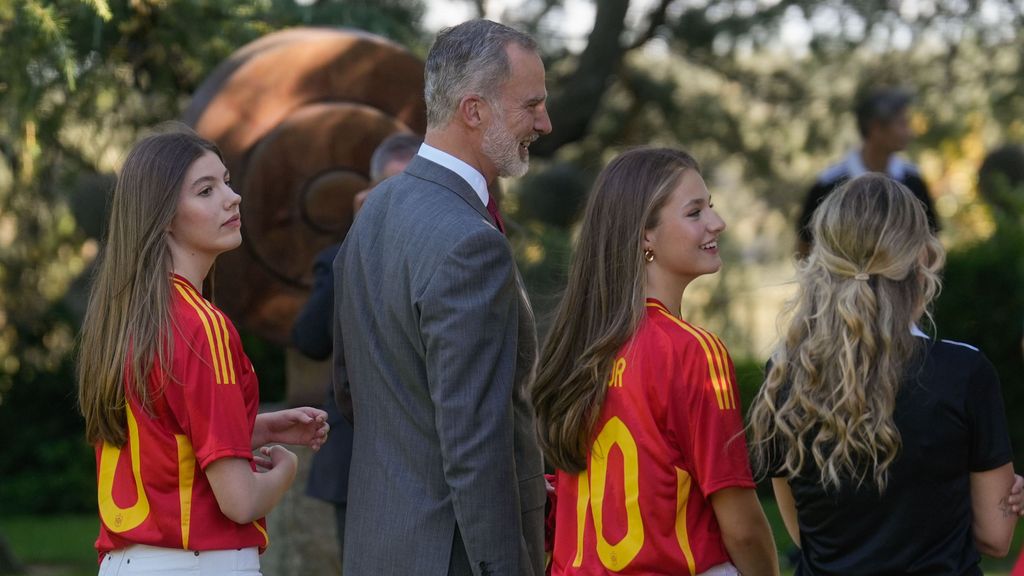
x=954, y=365
x=681, y=334
x=680, y=342
x=195, y=316
x=954, y=352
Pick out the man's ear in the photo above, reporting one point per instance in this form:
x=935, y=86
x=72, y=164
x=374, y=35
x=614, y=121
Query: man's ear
x=472, y=110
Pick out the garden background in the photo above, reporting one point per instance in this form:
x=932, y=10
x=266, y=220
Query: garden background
x=759, y=90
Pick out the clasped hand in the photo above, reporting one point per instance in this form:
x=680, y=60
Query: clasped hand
x=304, y=426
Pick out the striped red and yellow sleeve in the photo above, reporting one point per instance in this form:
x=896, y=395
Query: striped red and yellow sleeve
x=207, y=359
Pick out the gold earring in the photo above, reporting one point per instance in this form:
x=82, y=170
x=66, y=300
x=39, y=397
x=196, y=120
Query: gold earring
x=648, y=255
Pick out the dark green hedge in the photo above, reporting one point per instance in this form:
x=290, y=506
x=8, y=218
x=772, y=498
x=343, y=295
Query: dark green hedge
x=982, y=304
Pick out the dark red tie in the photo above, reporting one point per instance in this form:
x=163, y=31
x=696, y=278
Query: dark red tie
x=492, y=208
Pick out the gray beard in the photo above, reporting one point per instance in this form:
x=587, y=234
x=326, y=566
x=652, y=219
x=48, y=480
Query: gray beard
x=502, y=149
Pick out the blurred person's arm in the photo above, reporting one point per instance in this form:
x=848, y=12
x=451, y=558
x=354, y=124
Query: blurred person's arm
x=311, y=331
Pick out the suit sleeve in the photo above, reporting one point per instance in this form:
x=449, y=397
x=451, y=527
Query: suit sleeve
x=339, y=370
x=468, y=317
x=311, y=332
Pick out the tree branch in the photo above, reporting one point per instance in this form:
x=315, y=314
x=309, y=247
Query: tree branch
x=656, y=21
x=578, y=96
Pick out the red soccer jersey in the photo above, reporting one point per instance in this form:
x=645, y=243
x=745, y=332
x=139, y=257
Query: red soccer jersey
x=153, y=489
x=669, y=434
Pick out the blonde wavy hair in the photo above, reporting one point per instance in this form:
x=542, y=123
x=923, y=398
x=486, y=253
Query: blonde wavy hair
x=831, y=388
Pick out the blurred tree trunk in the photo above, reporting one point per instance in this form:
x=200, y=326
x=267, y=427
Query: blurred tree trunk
x=8, y=563
x=575, y=100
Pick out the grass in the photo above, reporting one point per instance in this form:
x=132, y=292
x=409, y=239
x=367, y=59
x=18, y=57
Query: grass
x=53, y=545
x=63, y=545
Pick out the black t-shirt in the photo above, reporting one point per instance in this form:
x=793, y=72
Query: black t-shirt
x=951, y=420
x=830, y=179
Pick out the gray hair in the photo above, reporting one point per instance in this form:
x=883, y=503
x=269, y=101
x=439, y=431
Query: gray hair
x=468, y=58
x=396, y=147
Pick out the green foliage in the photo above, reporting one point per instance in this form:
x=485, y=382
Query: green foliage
x=64, y=544
x=46, y=464
x=982, y=304
x=79, y=80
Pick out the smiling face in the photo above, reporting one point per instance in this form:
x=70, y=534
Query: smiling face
x=207, y=221
x=685, y=240
x=518, y=113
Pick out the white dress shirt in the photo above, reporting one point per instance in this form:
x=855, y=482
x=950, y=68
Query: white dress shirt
x=472, y=177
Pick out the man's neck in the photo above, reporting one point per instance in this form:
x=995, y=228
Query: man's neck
x=875, y=158
x=459, y=145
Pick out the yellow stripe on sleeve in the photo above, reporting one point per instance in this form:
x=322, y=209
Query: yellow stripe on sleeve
x=220, y=333
x=730, y=384
x=214, y=344
x=712, y=356
x=227, y=346
x=721, y=358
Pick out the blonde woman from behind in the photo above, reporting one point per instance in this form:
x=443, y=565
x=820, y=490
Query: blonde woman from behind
x=889, y=450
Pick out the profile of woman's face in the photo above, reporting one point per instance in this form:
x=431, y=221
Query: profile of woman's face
x=685, y=241
x=207, y=221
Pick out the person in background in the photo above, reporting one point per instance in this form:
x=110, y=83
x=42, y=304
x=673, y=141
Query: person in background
x=169, y=397
x=637, y=408
x=390, y=157
x=864, y=422
x=883, y=121
x=311, y=335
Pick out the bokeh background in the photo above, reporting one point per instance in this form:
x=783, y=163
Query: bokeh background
x=760, y=91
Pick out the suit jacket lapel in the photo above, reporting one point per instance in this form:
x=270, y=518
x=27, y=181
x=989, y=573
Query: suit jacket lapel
x=420, y=167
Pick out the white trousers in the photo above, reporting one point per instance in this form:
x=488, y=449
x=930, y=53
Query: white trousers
x=150, y=560
x=726, y=569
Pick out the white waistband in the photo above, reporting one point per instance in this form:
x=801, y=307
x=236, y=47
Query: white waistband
x=143, y=559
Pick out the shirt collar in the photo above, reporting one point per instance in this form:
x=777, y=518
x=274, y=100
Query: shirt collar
x=471, y=175
x=896, y=169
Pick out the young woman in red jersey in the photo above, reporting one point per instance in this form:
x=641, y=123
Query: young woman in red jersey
x=169, y=397
x=637, y=408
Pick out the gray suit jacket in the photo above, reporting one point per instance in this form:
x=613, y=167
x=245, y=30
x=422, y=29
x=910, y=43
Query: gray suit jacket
x=434, y=343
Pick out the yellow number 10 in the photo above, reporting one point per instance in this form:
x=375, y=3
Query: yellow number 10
x=591, y=493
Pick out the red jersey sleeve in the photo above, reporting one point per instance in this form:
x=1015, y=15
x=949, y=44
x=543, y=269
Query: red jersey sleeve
x=208, y=362
x=704, y=416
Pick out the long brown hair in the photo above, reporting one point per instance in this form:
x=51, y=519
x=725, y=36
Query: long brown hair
x=831, y=391
x=127, y=323
x=603, y=302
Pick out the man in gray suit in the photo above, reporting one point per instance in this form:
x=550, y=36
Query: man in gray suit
x=434, y=336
